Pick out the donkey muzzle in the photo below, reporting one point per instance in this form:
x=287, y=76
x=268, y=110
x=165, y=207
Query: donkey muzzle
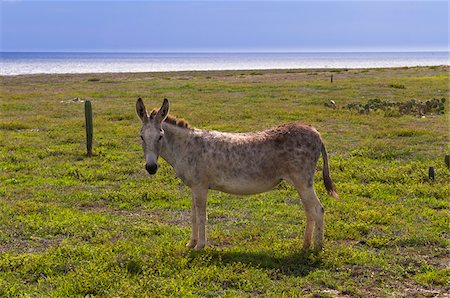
x=151, y=168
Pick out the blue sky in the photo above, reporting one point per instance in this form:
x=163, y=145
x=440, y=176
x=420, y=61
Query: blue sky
x=162, y=26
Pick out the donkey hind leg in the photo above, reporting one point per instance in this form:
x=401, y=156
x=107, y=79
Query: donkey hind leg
x=199, y=196
x=314, y=215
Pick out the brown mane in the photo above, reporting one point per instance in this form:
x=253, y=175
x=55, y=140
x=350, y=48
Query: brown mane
x=172, y=120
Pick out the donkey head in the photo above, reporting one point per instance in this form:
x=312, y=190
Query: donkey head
x=152, y=133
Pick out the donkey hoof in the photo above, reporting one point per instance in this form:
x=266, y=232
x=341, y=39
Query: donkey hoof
x=306, y=247
x=318, y=248
x=199, y=247
x=191, y=244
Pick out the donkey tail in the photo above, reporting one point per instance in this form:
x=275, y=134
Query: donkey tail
x=326, y=175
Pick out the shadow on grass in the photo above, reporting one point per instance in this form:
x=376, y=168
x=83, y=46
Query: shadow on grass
x=298, y=263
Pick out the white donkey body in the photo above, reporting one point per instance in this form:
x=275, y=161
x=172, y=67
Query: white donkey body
x=237, y=163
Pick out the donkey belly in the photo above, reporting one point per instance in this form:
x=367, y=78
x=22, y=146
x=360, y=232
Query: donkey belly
x=244, y=173
x=244, y=186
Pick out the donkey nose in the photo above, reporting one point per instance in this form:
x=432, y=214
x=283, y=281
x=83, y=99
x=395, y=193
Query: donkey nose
x=151, y=168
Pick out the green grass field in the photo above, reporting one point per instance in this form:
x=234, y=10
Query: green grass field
x=101, y=226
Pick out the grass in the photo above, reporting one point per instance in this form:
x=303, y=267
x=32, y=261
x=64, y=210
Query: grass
x=100, y=226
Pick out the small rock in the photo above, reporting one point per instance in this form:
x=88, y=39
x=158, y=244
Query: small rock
x=331, y=104
x=76, y=99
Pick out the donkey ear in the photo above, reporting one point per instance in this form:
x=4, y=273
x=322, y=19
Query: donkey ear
x=164, y=110
x=141, y=110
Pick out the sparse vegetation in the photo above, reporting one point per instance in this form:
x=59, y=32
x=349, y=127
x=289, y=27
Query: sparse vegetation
x=397, y=86
x=100, y=226
x=410, y=107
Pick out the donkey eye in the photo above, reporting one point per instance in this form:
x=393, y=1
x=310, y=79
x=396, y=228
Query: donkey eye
x=160, y=137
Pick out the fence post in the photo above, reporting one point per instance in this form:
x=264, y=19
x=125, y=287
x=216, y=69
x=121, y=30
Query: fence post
x=431, y=174
x=89, y=127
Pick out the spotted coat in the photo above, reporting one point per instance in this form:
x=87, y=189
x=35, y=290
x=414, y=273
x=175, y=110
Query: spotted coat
x=237, y=163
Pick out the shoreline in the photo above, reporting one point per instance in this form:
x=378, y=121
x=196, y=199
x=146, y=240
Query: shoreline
x=67, y=63
x=267, y=70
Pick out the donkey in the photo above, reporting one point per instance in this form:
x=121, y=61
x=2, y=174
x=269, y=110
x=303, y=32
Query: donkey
x=237, y=163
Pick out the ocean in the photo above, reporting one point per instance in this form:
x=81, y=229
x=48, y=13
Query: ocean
x=20, y=63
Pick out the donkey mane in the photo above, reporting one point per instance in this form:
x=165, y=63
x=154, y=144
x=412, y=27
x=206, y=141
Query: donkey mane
x=172, y=120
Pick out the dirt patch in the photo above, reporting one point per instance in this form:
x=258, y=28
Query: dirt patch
x=32, y=245
x=181, y=218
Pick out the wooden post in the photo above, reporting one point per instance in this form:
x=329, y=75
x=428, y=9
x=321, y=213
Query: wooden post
x=431, y=173
x=447, y=161
x=331, y=78
x=89, y=127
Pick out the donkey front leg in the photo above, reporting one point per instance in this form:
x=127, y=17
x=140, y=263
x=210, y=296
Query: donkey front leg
x=194, y=233
x=199, y=195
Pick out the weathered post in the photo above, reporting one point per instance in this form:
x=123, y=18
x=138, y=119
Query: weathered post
x=89, y=127
x=431, y=174
x=331, y=80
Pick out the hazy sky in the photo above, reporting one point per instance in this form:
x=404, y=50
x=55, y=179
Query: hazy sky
x=158, y=26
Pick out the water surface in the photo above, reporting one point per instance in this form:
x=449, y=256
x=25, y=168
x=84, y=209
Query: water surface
x=16, y=63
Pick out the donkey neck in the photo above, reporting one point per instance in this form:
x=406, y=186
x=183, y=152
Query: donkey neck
x=175, y=142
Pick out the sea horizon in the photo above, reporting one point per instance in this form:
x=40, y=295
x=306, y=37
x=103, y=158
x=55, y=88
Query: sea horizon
x=48, y=62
